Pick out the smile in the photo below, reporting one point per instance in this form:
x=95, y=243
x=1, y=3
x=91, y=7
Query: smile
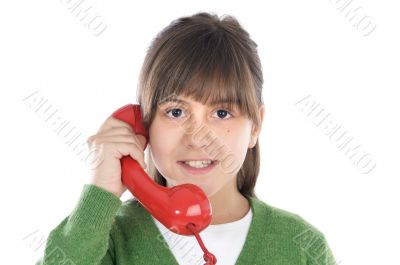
x=198, y=167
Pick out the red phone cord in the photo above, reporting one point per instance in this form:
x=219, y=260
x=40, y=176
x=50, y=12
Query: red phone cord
x=209, y=258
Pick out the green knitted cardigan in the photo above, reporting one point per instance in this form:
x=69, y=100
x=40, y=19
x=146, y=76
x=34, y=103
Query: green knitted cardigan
x=104, y=230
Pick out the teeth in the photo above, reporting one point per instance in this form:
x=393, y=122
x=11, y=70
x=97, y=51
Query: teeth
x=198, y=164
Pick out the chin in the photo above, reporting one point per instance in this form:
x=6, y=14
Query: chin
x=211, y=193
x=209, y=190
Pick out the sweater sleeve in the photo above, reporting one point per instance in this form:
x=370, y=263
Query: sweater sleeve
x=319, y=252
x=84, y=237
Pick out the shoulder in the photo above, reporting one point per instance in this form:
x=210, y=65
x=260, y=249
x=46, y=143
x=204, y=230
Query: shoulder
x=130, y=215
x=289, y=235
x=129, y=207
x=280, y=223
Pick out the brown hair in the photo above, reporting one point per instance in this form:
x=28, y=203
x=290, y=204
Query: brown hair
x=190, y=55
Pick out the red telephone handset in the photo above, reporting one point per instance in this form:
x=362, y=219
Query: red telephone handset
x=183, y=209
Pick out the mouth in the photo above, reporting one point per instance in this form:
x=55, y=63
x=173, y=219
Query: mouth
x=197, y=167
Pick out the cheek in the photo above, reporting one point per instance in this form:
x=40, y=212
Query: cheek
x=236, y=141
x=163, y=142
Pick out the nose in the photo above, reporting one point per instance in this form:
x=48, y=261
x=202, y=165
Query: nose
x=195, y=130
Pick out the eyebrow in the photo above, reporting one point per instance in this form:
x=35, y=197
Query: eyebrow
x=213, y=103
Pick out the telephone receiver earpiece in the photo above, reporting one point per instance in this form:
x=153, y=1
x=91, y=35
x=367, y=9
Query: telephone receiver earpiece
x=183, y=209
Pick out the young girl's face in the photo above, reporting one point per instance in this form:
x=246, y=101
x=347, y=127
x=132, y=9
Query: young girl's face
x=177, y=134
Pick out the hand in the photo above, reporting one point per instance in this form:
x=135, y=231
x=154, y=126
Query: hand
x=114, y=139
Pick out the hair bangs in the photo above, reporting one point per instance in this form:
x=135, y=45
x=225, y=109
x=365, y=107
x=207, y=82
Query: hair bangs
x=207, y=70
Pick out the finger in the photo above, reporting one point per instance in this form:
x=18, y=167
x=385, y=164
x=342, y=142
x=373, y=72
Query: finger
x=132, y=150
x=120, y=138
x=125, y=131
x=117, y=131
x=111, y=122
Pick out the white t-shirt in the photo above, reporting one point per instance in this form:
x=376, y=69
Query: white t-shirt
x=225, y=241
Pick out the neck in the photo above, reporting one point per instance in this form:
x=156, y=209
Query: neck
x=228, y=205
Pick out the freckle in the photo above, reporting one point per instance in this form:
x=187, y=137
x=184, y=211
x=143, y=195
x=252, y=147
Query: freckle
x=228, y=130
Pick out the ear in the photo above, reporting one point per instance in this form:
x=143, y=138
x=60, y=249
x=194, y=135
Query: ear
x=256, y=130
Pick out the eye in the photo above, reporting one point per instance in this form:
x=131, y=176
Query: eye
x=222, y=113
x=176, y=113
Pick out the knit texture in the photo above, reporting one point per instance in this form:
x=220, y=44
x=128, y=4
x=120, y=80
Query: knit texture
x=103, y=230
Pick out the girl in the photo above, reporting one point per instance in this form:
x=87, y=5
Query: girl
x=201, y=101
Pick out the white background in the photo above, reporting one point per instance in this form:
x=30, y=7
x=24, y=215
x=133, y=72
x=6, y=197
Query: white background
x=306, y=48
